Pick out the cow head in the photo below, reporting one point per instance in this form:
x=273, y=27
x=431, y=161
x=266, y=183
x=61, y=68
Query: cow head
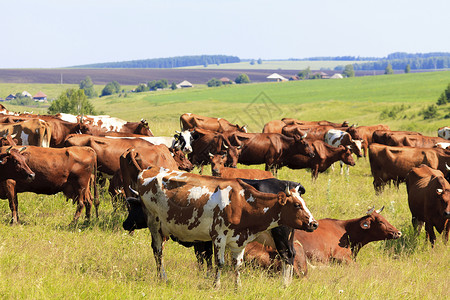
x=14, y=165
x=346, y=155
x=233, y=153
x=294, y=212
x=217, y=163
x=376, y=228
x=443, y=197
x=183, y=141
x=356, y=146
x=302, y=146
x=181, y=160
x=143, y=128
x=137, y=217
x=241, y=128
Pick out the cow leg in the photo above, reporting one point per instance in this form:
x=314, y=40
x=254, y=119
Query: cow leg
x=417, y=225
x=315, y=173
x=430, y=232
x=80, y=206
x=238, y=259
x=203, y=252
x=446, y=232
x=219, y=253
x=283, y=238
x=157, y=245
x=10, y=186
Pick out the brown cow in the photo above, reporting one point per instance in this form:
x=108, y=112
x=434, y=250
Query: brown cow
x=365, y=133
x=33, y=132
x=429, y=201
x=136, y=159
x=274, y=126
x=218, y=169
x=419, y=141
x=341, y=240
x=325, y=156
x=393, y=163
x=267, y=257
x=291, y=121
x=273, y=149
x=190, y=121
x=67, y=170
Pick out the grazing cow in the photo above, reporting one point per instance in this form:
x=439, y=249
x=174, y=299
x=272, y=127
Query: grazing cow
x=365, y=133
x=325, y=156
x=290, y=121
x=335, y=137
x=33, y=132
x=341, y=240
x=67, y=170
x=218, y=169
x=409, y=140
x=229, y=212
x=4, y=111
x=429, y=201
x=190, y=121
x=444, y=132
x=273, y=149
x=393, y=163
x=274, y=126
x=136, y=159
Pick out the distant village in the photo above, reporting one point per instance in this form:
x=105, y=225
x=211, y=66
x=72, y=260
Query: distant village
x=38, y=97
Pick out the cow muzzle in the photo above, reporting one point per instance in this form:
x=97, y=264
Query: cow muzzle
x=312, y=226
x=396, y=235
x=447, y=214
x=30, y=177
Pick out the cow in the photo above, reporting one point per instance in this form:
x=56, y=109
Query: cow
x=429, y=201
x=274, y=126
x=181, y=140
x=335, y=137
x=229, y=212
x=324, y=156
x=13, y=166
x=410, y=140
x=291, y=121
x=273, y=149
x=136, y=159
x=5, y=111
x=267, y=257
x=340, y=240
x=67, y=170
x=190, y=121
x=444, y=132
x=365, y=133
x=33, y=132
x=218, y=169
x=389, y=163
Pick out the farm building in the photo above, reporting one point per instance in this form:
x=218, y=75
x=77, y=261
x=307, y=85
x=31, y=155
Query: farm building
x=26, y=94
x=225, y=80
x=294, y=77
x=40, y=97
x=184, y=84
x=321, y=75
x=337, y=76
x=10, y=97
x=276, y=77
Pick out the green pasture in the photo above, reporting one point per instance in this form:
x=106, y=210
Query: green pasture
x=276, y=65
x=45, y=258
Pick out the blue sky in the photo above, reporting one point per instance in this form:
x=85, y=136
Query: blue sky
x=55, y=33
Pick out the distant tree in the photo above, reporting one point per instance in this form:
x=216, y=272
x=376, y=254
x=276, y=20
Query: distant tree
x=141, y=88
x=407, y=68
x=214, y=82
x=72, y=101
x=259, y=61
x=305, y=73
x=388, y=70
x=430, y=112
x=109, y=89
x=243, y=78
x=205, y=64
x=444, y=98
x=151, y=85
x=162, y=84
x=116, y=86
x=348, y=71
x=173, y=86
x=252, y=62
x=88, y=86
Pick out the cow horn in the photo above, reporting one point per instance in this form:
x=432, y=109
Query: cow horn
x=380, y=210
x=447, y=167
x=22, y=149
x=133, y=191
x=370, y=211
x=304, y=136
x=211, y=155
x=8, y=151
x=287, y=191
x=239, y=147
x=6, y=133
x=13, y=135
x=177, y=131
x=224, y=145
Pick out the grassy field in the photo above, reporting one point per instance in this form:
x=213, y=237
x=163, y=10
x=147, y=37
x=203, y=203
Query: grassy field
x=44, y=258
x=276, y=64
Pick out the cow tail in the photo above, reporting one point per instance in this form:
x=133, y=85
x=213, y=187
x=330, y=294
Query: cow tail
x=45, y=134
x=94, y=182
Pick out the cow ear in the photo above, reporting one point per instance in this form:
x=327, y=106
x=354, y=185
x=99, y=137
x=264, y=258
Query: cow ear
x=282, y=199
x=365, y=224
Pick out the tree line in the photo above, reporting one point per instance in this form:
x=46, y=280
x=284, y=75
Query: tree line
x=169, y=62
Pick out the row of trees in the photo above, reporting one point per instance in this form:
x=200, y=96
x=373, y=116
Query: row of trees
x=242, y=78
x=401, y=64
x=169, y=62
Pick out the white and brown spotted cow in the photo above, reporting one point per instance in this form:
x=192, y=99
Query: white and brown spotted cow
x=335, y=137
x=229, y=212
x=444, y=132
x=32, y=132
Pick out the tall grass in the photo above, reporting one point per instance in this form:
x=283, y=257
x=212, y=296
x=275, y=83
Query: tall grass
x=45, y=258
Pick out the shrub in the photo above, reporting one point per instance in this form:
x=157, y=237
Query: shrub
x=243, y=78
x=214, y=82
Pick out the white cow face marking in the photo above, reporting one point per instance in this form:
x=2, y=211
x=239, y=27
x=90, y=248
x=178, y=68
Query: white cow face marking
x=296, y=195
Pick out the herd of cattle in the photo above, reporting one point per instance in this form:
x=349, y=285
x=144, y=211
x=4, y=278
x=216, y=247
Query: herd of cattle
x=237, y=209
